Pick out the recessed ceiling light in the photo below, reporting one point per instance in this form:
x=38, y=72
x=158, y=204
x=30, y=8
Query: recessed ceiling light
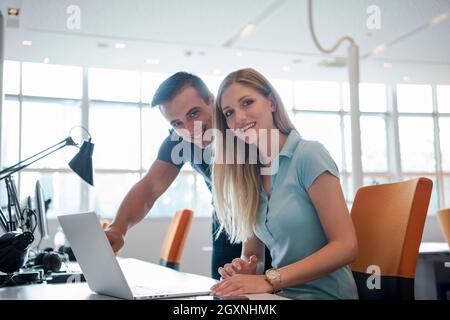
x=46, y=60
x=247, y=30
x=27, y=42
x=13, y=12
x=378, y=49
x=120, y=45
x=406, y=78
x=285, y=68
x=152, y=61
x=217, y=71
x=387, y=65
x=238, y=54
x=438, y=19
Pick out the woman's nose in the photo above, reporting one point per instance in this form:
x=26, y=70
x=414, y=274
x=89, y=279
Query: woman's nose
x=241, y=118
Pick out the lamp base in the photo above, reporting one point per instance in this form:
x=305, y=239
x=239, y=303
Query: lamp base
x=21, y=277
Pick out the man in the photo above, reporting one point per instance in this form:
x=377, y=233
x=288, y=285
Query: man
x=183, y=99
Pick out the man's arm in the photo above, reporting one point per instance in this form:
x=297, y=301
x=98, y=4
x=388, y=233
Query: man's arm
x=140, y=200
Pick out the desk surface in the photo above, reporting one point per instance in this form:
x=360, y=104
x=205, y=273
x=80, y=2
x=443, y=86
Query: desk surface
x=81, y=291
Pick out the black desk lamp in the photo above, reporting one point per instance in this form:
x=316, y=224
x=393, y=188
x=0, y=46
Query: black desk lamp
x=14, y=243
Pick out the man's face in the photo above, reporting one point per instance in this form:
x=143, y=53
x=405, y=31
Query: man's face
x=186, y=109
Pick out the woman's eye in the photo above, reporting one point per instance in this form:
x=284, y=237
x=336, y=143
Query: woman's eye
x=228, y=113
x=247, y=102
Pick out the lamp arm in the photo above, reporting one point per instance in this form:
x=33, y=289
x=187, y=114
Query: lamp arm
x=313, y=34
x=13, y=203
x=25, y=163
x=353, y=64
x=3, y=221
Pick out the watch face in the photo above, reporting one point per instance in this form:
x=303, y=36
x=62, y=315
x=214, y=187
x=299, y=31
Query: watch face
x=272, y=274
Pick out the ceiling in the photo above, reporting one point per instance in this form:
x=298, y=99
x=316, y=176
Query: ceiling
x=202, y=36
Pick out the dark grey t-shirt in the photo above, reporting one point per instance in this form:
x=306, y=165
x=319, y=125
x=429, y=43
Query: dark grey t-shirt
x=177, y=151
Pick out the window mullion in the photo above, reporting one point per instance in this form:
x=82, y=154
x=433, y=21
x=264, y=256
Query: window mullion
x=437, y=151
x=85, y=192
x=392, y=134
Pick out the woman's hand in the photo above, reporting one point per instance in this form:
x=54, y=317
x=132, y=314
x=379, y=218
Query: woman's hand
x=239, y=266
x=241, y=284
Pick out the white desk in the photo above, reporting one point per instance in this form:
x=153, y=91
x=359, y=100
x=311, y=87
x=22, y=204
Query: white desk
x=433, y=247
x=81, y=291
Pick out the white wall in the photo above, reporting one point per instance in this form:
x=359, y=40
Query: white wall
x=144, y=242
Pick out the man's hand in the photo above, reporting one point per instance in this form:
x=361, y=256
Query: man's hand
x=239, y=266
x=115, y=238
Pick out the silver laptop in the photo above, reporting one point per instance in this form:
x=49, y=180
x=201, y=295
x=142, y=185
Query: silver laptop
x=124, y=278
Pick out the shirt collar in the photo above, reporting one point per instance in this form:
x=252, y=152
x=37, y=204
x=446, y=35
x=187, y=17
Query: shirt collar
x=291, y=144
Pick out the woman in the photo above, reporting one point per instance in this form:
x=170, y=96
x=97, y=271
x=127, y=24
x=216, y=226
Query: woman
x=298, y=211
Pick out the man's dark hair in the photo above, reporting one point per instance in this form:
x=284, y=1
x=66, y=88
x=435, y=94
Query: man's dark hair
x=173, y=85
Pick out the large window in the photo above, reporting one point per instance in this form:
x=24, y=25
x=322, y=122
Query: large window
x=43, y=102
x=126, y=132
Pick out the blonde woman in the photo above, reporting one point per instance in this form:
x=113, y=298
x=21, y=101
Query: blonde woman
x=297, y=210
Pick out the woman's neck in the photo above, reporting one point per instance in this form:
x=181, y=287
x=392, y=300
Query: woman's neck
x=271, y=147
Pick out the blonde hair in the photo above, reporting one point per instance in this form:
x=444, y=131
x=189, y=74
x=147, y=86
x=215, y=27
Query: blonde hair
x=236, y=186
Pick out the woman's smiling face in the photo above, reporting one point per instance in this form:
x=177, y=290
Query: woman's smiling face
x=247, y=111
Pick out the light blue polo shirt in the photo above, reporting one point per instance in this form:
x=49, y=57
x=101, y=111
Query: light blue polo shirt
x=288, y=223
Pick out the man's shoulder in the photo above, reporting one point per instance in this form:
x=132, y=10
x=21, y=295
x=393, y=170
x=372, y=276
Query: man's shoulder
x=167, y=147
x=171, y=139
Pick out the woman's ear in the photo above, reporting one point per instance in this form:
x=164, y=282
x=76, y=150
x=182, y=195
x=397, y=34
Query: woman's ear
x=273, y=105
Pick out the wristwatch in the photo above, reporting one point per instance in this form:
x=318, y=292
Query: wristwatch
x=273, y=276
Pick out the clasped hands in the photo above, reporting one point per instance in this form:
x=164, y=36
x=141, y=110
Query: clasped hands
x=239, y=278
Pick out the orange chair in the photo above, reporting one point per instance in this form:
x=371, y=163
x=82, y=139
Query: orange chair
x=444, y=221
x=389, y=221
x=175, y=240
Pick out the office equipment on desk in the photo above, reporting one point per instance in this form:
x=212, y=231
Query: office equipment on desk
x=105, y=274
x=19, y=228
x=389, y=221
x=431, y=275
x=40, y=211
x=173, y=245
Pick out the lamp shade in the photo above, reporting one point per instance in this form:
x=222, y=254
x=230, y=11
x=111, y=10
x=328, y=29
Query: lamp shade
x=82, y=162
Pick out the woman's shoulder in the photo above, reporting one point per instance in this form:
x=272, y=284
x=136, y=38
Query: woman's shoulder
x=311, y=154
x=308, y=149
x=312, y=159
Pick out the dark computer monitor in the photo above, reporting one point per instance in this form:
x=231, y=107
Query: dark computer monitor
x=40, y=211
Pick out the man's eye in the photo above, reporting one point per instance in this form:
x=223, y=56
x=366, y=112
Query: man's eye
x=175, y=125
x=193, y=114
x=247, y=102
